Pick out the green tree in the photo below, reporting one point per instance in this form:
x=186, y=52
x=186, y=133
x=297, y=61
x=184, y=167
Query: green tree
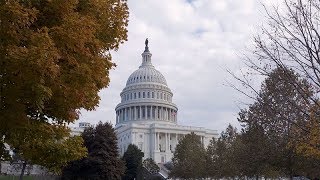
x=133, y=159
x=212, y=161
x=151, y=166
x=253, y=152
x=54, y=59
x=226, y=153
x=103, y=160
x=189, y=158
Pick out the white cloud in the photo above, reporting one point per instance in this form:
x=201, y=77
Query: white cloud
x=192, y=43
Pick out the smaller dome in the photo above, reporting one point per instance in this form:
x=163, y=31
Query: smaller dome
x=146, y=74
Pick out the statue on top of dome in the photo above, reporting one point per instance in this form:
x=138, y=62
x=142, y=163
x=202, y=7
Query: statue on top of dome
x=146, y=42
x=146, y=49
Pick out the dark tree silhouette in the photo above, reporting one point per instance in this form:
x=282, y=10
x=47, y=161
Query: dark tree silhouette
x=103, y=160
x=133, y=159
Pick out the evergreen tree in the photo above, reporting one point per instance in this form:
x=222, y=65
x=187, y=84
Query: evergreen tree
x=133, y=159
x=189, y=158
x=226, y=152
x=103, y=158
x=212, y=162
x=151, y=166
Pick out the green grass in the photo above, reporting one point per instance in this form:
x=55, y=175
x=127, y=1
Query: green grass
x=15, y=178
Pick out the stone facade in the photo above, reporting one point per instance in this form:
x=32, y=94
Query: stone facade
x=147, y=117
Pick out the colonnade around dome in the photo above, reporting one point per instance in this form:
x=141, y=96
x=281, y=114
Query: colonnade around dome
x=145, y=112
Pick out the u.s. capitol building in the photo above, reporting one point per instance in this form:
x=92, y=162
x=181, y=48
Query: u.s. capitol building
x=147, y=116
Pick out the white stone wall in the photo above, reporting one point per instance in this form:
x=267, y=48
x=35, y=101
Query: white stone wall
x=155, y=140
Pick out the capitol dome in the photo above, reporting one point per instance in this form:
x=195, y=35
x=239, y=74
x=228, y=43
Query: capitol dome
x=146, y=74
x=146, y=97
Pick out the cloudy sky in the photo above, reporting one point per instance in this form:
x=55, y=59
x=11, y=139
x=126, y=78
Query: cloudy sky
x=193, y=42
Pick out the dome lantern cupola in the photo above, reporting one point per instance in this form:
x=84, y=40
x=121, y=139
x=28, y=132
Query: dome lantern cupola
x=146, y=56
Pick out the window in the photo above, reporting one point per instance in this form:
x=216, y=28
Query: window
x=130, y=95
x=140, y=135
x=143, y=94
x=148, y=95
x=161, y=96
x=139, y=95
x=152, y=94
x=135, y=95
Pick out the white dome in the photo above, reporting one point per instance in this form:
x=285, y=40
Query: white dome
x=146, y=74
x=146, y=97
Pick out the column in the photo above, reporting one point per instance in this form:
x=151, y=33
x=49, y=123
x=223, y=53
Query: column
x=169, y=142
x=129, y=117
x=121, y=118
x=158, y=142
x=145, y=112
x=166, y=142
x=175, y=115
x=116, y=116
x=155, y=141
x=140, y=113
x=135, y=113
x=157, y=113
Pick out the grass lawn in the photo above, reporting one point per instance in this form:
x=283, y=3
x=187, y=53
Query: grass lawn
x=15, y=178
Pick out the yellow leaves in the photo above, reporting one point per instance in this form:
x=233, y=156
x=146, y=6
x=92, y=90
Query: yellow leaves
x=309, y=144
x=48, y=145
x=308, y=139
x=52, y=65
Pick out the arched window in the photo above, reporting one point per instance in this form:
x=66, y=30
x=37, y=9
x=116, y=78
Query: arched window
x=148, y=94
x=143, y=94
x=139, y=95
x=157, y=95
x=152, y=94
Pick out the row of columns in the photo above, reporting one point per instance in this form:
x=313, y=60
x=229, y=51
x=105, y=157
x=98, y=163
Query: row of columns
x=146, y=112
x=170, y=139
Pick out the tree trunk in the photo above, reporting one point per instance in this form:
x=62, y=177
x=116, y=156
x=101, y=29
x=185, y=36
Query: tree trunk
x=24, y=164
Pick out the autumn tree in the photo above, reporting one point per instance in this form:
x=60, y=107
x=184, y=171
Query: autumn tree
x=54, y=59
x=103, y=160
x=289, y=40
x=133, y=160
x=189, y=158
x=278, y=110
x=46, y=145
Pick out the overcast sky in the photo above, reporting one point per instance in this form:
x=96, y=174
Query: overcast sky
x=192, y=43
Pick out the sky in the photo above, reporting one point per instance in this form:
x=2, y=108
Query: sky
x=193, y=43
